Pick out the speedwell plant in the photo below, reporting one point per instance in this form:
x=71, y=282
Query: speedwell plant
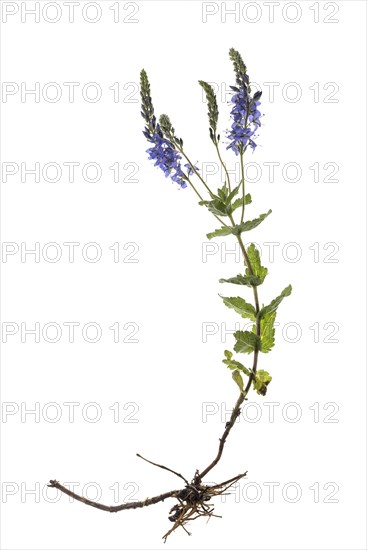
x=228, y=206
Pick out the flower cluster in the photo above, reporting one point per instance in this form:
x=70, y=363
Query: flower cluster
x=244, y=113
x=166, y=157
x=163, y=151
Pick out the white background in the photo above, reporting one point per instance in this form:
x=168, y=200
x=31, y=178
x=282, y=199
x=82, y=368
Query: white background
x=170, y=373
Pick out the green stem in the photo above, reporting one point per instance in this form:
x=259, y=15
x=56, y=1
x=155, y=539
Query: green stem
x=194, y=188
x=193, y=168
x=224, y=166
x=243, y=187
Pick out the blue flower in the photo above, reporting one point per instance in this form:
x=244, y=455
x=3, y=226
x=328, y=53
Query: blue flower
x=163, y=152
x=245, y=116
x=165, y=156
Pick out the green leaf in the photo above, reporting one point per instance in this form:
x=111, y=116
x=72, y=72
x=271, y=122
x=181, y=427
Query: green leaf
x=267, y=332
x=251, y=224
x=248, y=280
x=233, y=364
x=216, y=207
x=246, y=310
x=238, y=229
x=275, y=303
x=261, y=381
x=238, y=202
x=233, y=193
x=221, y=232
x=246, y=341
x=236, y=375
x=257, y=269
x=223, y=193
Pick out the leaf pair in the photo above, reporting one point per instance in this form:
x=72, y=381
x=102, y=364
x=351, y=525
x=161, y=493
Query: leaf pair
x=249, y=341
x=273, y=306
x=238, y=228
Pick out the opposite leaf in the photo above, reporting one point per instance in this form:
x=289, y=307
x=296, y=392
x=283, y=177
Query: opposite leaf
x=246, y=341
x=238, y=202
x=275, y=303
x=233, y=193
x=250, y=224
x=248, y=280
x=267, y=332
x=221, y=232
x=257, y=269
x=246, y=310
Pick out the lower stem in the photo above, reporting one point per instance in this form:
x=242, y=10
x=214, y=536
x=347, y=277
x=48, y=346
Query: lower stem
x=237, y=408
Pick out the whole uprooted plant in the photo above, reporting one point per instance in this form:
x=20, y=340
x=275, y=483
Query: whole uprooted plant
x=229, y=202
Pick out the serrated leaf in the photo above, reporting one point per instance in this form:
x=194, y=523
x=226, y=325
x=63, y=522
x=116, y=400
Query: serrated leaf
x=233, y=364
x=267, y=332
x=250, y=224
x=246, y=341
x=257, y=269
x=238, y=202
x=246, y=310
x=221, y=232
x=275, y=303
x=236, y=375
x=261, y=382
x=248, y=280
x=233, y=193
